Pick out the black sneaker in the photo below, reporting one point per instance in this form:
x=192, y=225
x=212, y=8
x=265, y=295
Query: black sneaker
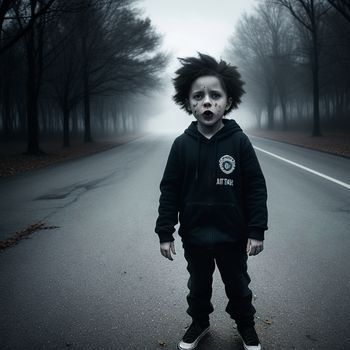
x=193, y=335
x=249, y=337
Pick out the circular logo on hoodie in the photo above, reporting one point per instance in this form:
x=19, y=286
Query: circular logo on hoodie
x=227, y=164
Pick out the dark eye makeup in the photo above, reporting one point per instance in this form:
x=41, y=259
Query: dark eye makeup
x=214, y=95
x=197, y=96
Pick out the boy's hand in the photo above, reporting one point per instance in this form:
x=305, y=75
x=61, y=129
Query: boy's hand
x=166, y=248
x=254, y=246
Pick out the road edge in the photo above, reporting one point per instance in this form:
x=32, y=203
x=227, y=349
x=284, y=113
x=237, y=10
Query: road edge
x=298, y=145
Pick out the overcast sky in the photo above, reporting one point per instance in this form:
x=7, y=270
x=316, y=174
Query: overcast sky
x=189, y=26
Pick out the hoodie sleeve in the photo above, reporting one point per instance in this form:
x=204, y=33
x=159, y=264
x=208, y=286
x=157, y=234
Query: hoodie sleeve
x=170, y=186
x=254, y=191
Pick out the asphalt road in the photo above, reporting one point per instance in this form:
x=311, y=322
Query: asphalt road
x=99, y=282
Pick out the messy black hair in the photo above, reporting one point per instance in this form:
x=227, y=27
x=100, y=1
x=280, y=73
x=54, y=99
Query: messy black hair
x=193, y=68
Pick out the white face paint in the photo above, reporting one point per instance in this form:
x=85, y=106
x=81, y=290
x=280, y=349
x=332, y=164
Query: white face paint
x=208, y=102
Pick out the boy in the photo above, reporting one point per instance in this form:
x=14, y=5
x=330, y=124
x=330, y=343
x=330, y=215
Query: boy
x=213, y=180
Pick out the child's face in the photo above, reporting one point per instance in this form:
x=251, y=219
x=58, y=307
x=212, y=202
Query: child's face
x=208, y=100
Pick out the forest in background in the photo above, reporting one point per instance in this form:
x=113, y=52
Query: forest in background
x=294, y=56
x=75, y=68
x=84, y=69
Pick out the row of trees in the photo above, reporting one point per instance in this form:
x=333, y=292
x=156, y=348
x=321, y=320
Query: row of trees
x=295, y=58
x=70, y=66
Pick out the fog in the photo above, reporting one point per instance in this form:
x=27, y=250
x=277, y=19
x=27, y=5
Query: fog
x=169, y=118
x=105, y=68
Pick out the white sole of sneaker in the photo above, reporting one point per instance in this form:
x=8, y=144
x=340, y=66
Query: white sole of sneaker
x=250, y=347
x=189, y=346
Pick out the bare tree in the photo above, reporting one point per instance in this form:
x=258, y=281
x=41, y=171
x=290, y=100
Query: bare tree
x=34, y=45
x=309, y=14
x=124, y=60
x=249, y=47
x=262, y=45
x=281, y=45
x=78, y=53
x=342, y=6
x=65, y=76
x=9, y=12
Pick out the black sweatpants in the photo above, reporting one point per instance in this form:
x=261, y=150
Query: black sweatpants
x=231, y=259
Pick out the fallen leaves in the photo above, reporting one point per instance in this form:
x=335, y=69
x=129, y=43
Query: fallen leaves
x=331, y=142
x=266, y=320
x=15, y=163
x=16, y=237
x=161, y=342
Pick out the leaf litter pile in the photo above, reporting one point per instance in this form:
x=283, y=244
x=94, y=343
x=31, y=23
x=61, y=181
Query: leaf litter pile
x=13, y=161
x=331, y=142
x=7, y=243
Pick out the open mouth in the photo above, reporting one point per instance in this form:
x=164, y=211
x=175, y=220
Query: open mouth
x=208, y=113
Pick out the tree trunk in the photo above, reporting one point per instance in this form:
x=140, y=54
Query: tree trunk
x=270, y=110
x=75, y=131
x=66, y=141
x=34, y=59
x=316, y=131
x=284, y=113
x=124, y=123
x=32, y=99
x=87, y=126
x=6, y=115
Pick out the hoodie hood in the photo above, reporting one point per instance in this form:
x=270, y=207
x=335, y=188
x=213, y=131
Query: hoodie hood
x=230, y=127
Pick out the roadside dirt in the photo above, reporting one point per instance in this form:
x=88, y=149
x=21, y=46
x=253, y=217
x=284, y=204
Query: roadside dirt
x=330, y=142
x=13, y=162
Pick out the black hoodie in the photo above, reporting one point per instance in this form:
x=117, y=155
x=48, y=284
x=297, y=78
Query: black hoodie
x=214, y=187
